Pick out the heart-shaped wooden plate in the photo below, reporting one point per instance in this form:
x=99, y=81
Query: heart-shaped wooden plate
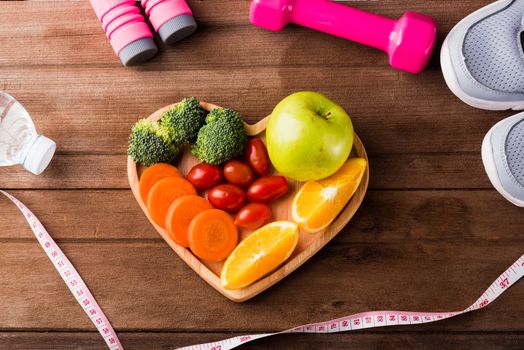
x=308, y=244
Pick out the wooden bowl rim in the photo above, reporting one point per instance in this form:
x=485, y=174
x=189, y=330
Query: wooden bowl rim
x=289, y=266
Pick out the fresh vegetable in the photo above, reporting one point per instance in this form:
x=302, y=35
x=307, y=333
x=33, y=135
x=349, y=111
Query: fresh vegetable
x=309, y=137
x=267, y=189
x=227, y=197
x=152, y=174
x=163, y=194
x=238, y=173
x=204, y=176
x=260, y=253
x=253, y=216
x=318, y=203
x=151, y=143
x=212, y=235
x=257, y=157
x=184, y=120
x=180, y=214
x=222, y=138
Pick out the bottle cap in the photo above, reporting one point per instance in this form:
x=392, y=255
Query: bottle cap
x=139, y=51
x=177, y=28
x=39, y=155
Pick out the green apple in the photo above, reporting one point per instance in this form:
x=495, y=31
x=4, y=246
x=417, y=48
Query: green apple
x=309, y=137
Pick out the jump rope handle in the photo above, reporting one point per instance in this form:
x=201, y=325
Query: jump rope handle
x=129, y=34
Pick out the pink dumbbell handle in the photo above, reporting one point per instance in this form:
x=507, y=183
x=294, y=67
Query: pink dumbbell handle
x=343, y=21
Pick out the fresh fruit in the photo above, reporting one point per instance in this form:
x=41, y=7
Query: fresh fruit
x=180, y=214
x=253, y=216
x=227, y=197
x=204, y=176
x=318, y=203
x=260, y=253
x=309, y=137
x=238, y=173
x=152, y=174
x=163, y=193
x=257, y=157
x=212, y=235
x=267, y=189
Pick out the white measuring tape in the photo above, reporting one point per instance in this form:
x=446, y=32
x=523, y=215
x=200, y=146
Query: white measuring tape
x=375, y=319
x=364, y=320
x=70, y=276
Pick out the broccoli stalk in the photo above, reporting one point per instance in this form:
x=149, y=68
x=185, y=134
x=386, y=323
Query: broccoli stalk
x=184, y=120
x=150, y=143
x=222, y=138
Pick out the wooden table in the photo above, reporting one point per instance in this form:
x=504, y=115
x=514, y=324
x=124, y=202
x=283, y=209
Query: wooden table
x=432, y=233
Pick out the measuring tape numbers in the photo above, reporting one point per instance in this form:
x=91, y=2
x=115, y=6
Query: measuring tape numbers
x=375, y=319
x=70, y=276
x=364, y=320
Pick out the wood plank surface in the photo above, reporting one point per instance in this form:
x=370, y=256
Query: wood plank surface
x=388, y=171
x=385, y=217
x=71, y=35
x=146, y=286
x=65, y=98
x=431, y=235
x=91, y=110
x=359, y=341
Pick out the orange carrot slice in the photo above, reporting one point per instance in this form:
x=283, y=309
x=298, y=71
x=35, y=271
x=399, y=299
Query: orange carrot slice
x=154, y=173
x=213, y=235
x=180, y=214
x=163, y=193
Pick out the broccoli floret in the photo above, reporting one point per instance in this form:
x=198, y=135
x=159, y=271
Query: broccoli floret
x=222, y=138
x=150, y=143
x=184, y=120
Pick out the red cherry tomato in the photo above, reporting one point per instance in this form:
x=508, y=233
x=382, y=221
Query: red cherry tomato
x=238, y=173
x=227, y=197
x=257, y=157
x=204, y=176
x=267, y=189
x=253, y=216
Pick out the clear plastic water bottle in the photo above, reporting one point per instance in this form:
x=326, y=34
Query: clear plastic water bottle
x=19, y=141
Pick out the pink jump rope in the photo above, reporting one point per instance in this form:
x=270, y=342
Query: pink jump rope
x=408, y=41
x=131, y=37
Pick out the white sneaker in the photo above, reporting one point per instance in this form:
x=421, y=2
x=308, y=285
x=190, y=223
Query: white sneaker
x=483, y=57
x=503, y=157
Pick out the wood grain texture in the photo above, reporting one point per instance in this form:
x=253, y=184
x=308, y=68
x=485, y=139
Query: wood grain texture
x=384, y=217
x=144, y=286
x=390, y=171
x=65, y=97
x=359, y=341
x=91, y=110
x=430, y=220
x=71, y=35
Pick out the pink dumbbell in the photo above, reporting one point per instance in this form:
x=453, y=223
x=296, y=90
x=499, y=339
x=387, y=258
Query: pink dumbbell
x=408, y=41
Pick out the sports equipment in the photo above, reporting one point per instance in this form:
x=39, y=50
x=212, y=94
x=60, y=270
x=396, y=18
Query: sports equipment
x=408, y=41
x=126, y=30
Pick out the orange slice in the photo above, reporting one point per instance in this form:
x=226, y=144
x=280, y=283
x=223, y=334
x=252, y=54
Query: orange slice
x=260, y=253
x=318, y=203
